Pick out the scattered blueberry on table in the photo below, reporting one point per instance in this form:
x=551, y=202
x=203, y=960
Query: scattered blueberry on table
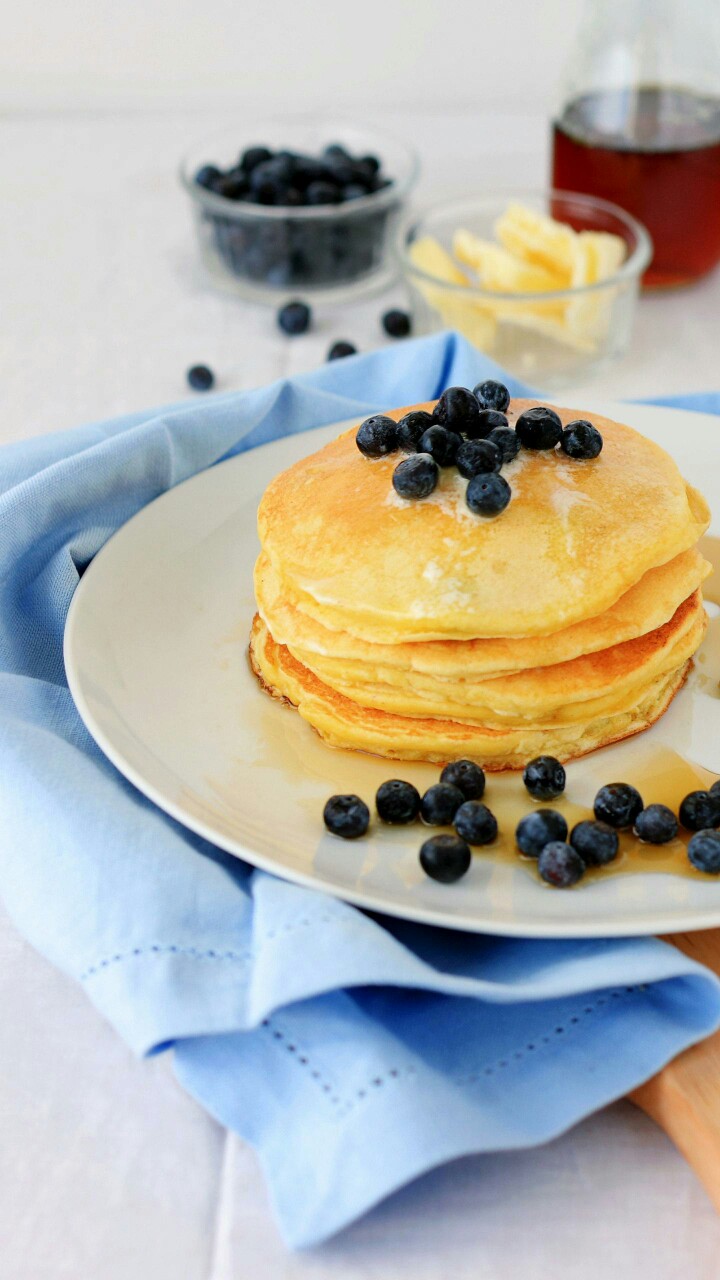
x=467, y=775
x=294, y=318
x=445, y=858
x=544, y=778
x=200, y=378
x=618, y=804
x=397, y=324
x=397, y=801
x=596, y=842
x=539, y=828
x=347, y=816
x=440, y=804
x=416, y=477
x=475, y=823
x=341, y=349
x=560, y=865
x=656, y=825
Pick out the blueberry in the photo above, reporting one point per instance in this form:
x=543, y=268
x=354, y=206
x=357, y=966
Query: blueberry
x=416, y=476
x=322, y=193
x=200, y=377
x=370, y=163
x=354, y=191
x=539, y=828
x=397, y=324
x=475, y=823
x=538, y=428
x=254, y=156
x=336, y=151
x=466, y=775
x=581, y=439
x=618, y=804
x=440, y=804
x=477, y=457
x=596, y=842
x=458, y=410
x=487, y=420
x=656, y=825
x=441, y=444
x=377, y=436
x=397, y=801
x=208, y=175
x=715, y=790
x=233, y=186
x=488, y=494
x=704, y=851
x=492, y=395
x=294, y=318
x=346, y=816
x=699, y=811
x=559, y=864
x=411, y=427
x=505, y=439
x=445, y=858
x=544, y=778
x=340, y=349
x=269, y=181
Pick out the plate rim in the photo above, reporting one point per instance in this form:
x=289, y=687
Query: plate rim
x=367, y=901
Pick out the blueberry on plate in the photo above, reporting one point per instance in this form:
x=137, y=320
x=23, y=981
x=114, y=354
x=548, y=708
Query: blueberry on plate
x=559, y=864
x=581, y=439
x=596, y=842
x=411, y=427
x=618, y=804
x=538, y=428
x=467, y=775
x=416, y=476
x=475, y=823
x=544, y=778
x=477, y=457
x=440, y=804
x=488, y=494
x=505, y=439
x=492, y=395
x=341, y=349
x=537, y=829
x=200, y=377
x=377, y=436
x=441, y=444
x=294, y=318
x=397, y=324
x=397, y=801
x=458, y=410
x=704, y=851
x=252, y=157
x=699, y=811
x=346, y=816
x=445, y=858
x=656, y=825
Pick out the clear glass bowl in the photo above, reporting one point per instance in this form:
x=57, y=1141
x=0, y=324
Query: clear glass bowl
x=549, y=338
x=266, y=253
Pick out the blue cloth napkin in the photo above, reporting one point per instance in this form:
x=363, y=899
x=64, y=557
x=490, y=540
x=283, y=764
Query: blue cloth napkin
x=353, y=1052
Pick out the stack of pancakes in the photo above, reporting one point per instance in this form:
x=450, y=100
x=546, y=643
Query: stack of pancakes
x=418, y=630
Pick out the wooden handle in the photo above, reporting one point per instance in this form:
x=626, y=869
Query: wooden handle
x=684, y=1098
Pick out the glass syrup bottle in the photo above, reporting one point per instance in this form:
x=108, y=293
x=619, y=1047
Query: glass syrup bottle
x=639, y=124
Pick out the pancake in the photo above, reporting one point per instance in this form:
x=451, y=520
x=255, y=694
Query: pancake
x=338, y=654
x=343, y=723
x=359, y=559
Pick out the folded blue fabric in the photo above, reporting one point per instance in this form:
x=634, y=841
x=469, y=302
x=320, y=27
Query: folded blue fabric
x=353, y=1052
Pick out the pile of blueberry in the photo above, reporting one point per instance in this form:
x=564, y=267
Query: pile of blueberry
x=295, y=251
x=469, y=430
x=456, y=800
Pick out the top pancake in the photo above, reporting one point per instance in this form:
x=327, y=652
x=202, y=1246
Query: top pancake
x=575, y=537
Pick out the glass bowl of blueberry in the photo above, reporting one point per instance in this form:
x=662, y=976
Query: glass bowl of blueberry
x=299, y=205
x=545, y=282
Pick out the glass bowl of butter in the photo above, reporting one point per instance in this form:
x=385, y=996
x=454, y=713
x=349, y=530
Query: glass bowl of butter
x=546, y=283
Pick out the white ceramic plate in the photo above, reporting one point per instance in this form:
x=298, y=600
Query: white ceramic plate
x=155, y=655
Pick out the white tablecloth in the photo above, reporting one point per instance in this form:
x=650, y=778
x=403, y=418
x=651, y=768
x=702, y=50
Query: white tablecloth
x=108, y=1171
